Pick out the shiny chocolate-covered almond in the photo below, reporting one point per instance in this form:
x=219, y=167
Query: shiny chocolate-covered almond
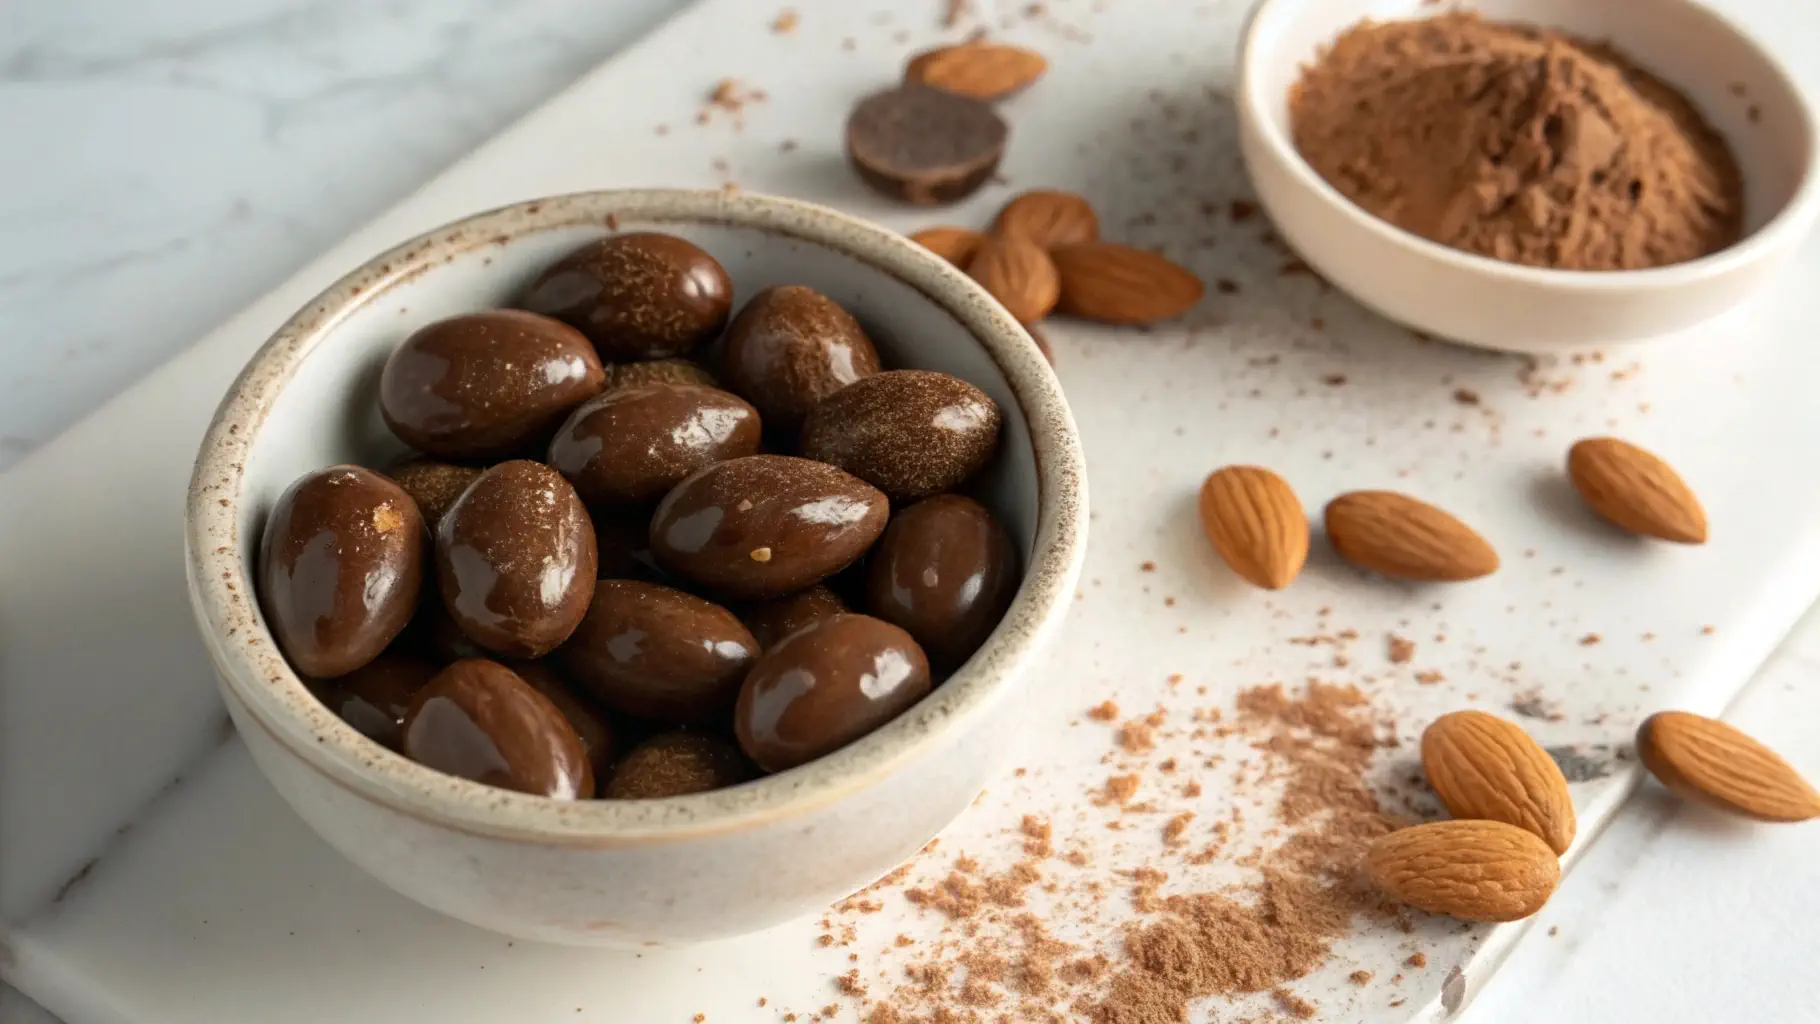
x=677, y=764
x=340, y=568
x=631, y=445
x=487, y=385
x=657, y=652
x=641, y=295
x=791, y=346
x=515, y=560
x=590, y=724
x=909, y=433
x=478, y=720
x=945, y=571
x=374, y=697
x=825, y=686
x=771, y=621
x=765, y=525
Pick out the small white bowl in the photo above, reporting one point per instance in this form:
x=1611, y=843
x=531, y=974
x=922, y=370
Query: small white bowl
x=1480, y=301
x=626, y=873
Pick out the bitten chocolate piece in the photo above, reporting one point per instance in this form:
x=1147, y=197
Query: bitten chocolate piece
x=925, y=146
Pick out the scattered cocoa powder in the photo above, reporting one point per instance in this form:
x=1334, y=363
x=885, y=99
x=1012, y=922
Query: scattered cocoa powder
x=1401, y=650
x=1105, y=711
x=1416, y=960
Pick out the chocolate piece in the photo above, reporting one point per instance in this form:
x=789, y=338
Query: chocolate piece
x=622, y=541
x=677, y=764
x=771, y=621
x=765, y=525
x=374, y=697
x=642, y=295
x=478, y=720
x=660, y=371
x=632, y=445
x=515, y=560
x=433, y=485
x=789, y=347
x=657, y=652
x=590, y=725
x=434, y=633
x=945, y=571
x=486, y=385
x=924, y=146
x=910, y=433
x=340, y=568
x=823, y=687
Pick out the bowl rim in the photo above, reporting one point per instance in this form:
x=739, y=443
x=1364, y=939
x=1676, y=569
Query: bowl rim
x=1793, y=217
x=258, y=681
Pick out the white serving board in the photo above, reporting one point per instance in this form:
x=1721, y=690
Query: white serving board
x=148, y=874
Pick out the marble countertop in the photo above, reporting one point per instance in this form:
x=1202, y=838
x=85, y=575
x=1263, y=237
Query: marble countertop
x=174, y=161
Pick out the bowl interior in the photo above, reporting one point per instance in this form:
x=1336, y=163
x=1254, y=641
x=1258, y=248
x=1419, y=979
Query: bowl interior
x=1739, y=90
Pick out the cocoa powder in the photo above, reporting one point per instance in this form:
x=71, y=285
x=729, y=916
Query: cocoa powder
x=1518, y=143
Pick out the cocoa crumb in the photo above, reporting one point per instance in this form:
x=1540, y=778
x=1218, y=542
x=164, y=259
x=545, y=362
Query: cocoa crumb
x=1466, y=396
x=785, y=22
x=1226, y=286
x=1148, y=566
x=1334, y=380
x=1104, y=711
x=1360, y=977
x=1292, y=1004
x=1177, y=827
x=1416, y=960
x=1118, y=789
x=1589, y=639
x=1037, y=836
x=1136, y=737
x=1430, y=677
x=1241, y=210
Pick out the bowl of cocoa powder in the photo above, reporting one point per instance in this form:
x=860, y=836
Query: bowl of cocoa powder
x=1528, y=175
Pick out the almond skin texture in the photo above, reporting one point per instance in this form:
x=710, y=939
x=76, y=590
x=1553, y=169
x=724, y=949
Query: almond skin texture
x=1483, y=767
x=1117, y=284
x=1472, y=870
x=1049, y=218
x=1636, y=491
x=956, y=245
x=981, y=71
x=1256, y=523
x=1019, y=274
x=1398, y=536
x=1706, y=760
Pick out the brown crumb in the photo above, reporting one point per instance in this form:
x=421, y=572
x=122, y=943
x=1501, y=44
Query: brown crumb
x=1706, y=630
x=1466, y=396
x=762, y=1000
x=1416, y=960
x=1292, y=1004
x=1589, y=639
x=785, y=22
x=1334, y=380
x=1148, y=566
x=1037, y=836
x=1359, y=977
x=1241, y=210
x=1429, y=677
x=1119, y=789
x=1136, y=737
x=1177, y=828
x=1104, y=711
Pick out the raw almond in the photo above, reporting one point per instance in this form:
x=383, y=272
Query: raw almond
x=1635, y=490
x=1019, y=274
x=1704, y=759
x=956, y=245
x=1484, y=767
x=1472, y=870
x=1049, y=218
x=1117, y=284
x=1399, y=536
x=1256, y=523
x=981, y=71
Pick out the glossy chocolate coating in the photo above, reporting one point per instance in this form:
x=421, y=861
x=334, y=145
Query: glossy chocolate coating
x=340, y=568
x=433, y=485
x=677, y=764
x=910, y=433
x=823, y=687
x=632, y=445
x=765, y=525
x=945, y=570
x=487, y=385
x=771, y=621
x=590, y=724
x=791, y=346
x=434, y=633
x=478, y=720
x=515, y=560
x=374, y=697
x=641, y=295
x=657, y=652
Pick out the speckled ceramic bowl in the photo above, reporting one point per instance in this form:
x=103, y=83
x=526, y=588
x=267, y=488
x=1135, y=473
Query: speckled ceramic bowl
x=627, y=872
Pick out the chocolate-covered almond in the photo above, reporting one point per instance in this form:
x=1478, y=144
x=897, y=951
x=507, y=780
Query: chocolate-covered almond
x=590, y=725
x=910, y=433
x=632, y=445
x=374, y=697
x=660, y=371
x=340, y=568
x=657, y=652
x=515, y=560
x=825, y=686
x=765, y=525
x=641, y=295
x=478, y=720
x=945, y=571
x=487, y=385
x=771, y=621
x=677, y=764
x=789, y=347
x=433, y=485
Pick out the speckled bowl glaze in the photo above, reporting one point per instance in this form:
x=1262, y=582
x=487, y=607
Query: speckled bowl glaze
x=627, y=873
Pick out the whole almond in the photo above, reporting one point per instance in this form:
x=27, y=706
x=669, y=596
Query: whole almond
x=1472, y=870
x=981, y=71
x=956, y=245
x=1635, y=490
x=1399, y=536
x=1256, y=523
x=1484, y=767
x=1049, y=218
x=1117, y=284
x=1706, y=760
x=1019, y=274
